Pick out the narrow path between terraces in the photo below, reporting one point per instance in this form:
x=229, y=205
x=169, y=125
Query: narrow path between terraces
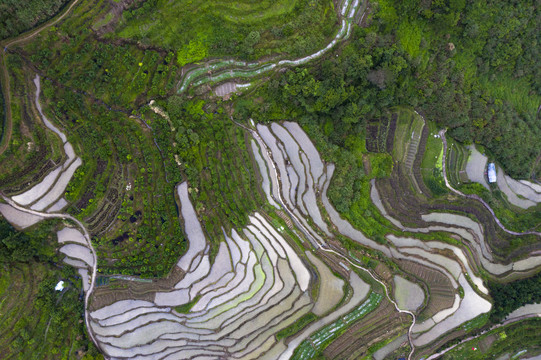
x=474, y=196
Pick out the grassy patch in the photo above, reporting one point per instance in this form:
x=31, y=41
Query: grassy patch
x=381, y=165
x=409, y=36
x=184, y=309
x=516, y=90
x=197, y=29
x=476, y=323
x=431, y=164
x=297, y=326
x=409, y=126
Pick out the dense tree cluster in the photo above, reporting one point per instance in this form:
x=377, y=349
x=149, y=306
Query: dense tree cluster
x=18, y=246
x=18, y=16
x=511, y=296
x=476, y=70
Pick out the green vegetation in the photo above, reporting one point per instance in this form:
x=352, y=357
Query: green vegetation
x=245, y=29
x=30, y=146
x=39, y=322
x=297, y=326
x=457, y=157
x=381, y=165
x=511, y=296
x=431, y=165
x=476, y=323
x=374, y=73
x=214, y=156
x=18, y=246
x=511, y=217
x=471, y=67
x=184, y=309
x=19, y=16
x=510, y=339
x=408, y=127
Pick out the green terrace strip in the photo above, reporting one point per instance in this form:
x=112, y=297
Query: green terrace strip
x=310, y=347
x=297, y=326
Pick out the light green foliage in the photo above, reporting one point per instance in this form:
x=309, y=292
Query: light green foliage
x=409, y=35
x=381, y=164
x=431, y=164
x=196, y=50
x=297, y=326
x=184, y=309
x=476, y=323
x=199, y=29
x=387, y=12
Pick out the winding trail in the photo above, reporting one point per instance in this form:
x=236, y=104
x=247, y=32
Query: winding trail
x=474, y=196
x=88, y=244
x=8, y=125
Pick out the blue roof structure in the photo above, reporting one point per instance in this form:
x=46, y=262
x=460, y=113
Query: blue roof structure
x=491, y=173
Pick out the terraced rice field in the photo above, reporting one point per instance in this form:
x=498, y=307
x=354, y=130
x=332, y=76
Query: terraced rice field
x=255, y=287
x=505, y=182
x=330, y=290
x=235, y=289
x=48, y=193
